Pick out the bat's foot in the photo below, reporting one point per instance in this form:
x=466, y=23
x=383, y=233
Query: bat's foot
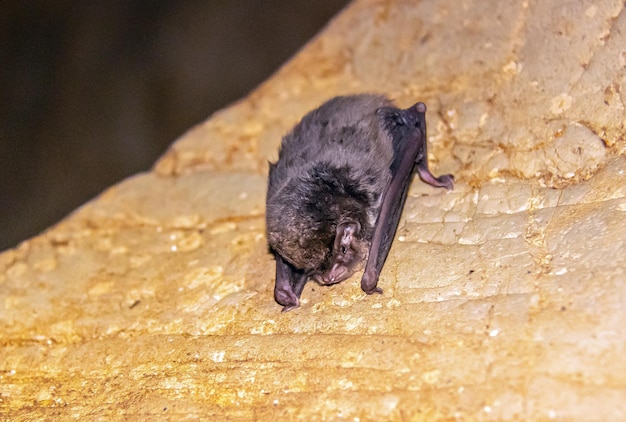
x=444, y=181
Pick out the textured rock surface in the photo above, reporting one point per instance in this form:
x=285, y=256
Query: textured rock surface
x=504, y=299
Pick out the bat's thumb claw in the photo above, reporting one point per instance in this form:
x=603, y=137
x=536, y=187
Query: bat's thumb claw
x=288, y=308
x=374, y=290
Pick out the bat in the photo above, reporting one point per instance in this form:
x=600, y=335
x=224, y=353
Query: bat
x=337, y=190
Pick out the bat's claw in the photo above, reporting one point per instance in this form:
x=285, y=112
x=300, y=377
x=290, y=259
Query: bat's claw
x=374, y=290
x=288, y=308
x=446, y=181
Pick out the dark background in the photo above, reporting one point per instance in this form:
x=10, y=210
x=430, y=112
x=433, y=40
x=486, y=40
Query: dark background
x=92, y=92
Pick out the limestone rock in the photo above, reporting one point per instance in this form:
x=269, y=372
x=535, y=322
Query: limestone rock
x=504, y=299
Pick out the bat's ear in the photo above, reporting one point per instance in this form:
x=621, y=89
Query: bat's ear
x=272, y=168
x=345, y=234
x=346, y=253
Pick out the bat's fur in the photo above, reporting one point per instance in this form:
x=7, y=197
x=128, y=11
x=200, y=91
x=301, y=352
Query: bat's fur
x=332, y=166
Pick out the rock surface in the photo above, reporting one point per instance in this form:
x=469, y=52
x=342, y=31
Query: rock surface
x=505, y=299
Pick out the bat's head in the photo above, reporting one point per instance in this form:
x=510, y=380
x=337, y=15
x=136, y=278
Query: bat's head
x=327, y=253
x=348, y=253
x=319, y=221
x=312, y=238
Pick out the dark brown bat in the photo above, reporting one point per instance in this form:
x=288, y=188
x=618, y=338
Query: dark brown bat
x=336, y=193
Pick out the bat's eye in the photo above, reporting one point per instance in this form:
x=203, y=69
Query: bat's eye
x=343, y=250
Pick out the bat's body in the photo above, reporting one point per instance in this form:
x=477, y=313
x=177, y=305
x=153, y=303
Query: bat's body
x=337, y=190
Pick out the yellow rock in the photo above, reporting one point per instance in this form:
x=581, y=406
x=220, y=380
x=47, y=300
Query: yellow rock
x=504, y=299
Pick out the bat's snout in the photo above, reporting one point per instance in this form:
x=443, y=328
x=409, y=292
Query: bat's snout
x=336, y=274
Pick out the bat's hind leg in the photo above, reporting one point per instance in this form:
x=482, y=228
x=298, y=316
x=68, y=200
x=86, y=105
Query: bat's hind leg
x=421, y=161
